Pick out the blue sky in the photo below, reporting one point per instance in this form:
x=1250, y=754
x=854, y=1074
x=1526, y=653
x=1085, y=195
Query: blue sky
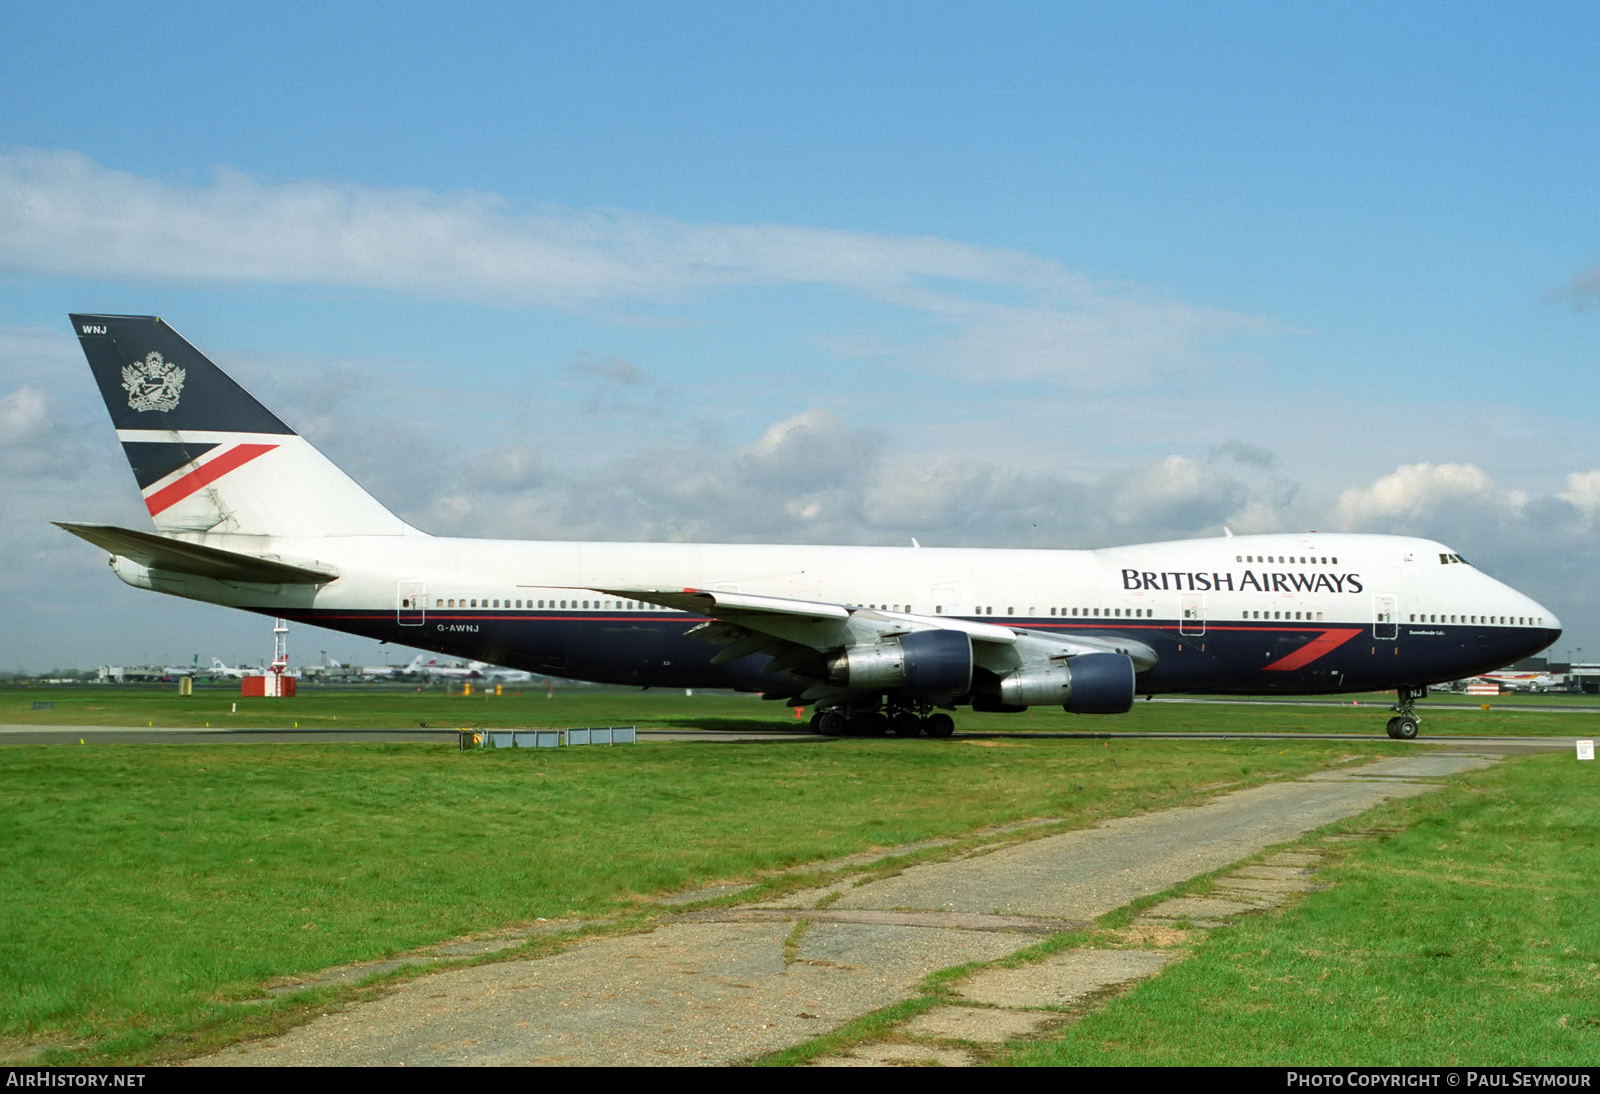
x=1011, y=274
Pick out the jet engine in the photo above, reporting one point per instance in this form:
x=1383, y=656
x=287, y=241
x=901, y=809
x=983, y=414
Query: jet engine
x=920, y=663
x=1091, y=683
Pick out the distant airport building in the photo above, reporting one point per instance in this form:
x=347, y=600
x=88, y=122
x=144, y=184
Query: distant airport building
x=134, y=674
x=1586, y=675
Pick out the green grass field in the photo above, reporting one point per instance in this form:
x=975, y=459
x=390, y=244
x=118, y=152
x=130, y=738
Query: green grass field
x=1464, y=934
x=150, y=890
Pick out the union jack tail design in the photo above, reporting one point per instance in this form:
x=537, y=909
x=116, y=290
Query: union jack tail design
x=207, y=456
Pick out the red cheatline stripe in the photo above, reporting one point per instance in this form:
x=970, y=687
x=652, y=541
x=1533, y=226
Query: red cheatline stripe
x=1324, y=643
x=204, y=475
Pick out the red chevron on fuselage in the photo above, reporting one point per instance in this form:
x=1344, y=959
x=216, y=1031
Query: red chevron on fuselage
x=1325, y=643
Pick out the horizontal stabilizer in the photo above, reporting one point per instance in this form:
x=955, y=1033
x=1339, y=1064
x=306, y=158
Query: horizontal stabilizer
x=176, y=556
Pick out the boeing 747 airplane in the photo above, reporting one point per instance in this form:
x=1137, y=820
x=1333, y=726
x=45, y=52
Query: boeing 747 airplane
x=249, y=515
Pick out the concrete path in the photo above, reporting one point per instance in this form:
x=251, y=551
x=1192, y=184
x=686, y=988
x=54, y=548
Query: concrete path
x=721, y=987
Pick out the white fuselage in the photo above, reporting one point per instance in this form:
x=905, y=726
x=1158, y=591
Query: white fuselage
x=439, y=593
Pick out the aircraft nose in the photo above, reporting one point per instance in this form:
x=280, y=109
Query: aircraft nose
x=1534, y=626
x=1546, y=624
x=1545, y=618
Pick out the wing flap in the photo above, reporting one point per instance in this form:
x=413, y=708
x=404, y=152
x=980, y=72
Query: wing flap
x=719, y=604
x=816, y=624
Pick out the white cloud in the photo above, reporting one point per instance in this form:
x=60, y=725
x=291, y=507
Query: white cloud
x=1256, y=518
x=1178, y=492
x=1002, y=310
x=1100, y=336
x=1583, y=492
x=1420, y=491
x=961, y=501
x=815, y=446
x=24, y=414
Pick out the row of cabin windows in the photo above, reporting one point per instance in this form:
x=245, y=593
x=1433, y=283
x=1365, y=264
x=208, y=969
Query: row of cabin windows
x=1490, y=620
x=1287, y=559
x=603, y=605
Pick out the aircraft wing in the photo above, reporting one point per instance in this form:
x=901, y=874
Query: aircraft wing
x=799, y=634
x=177, y=556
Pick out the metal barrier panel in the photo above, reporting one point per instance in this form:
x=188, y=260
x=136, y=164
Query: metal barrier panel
x=552, y=738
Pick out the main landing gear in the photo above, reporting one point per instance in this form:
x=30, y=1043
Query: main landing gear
x=1405, y=723
x=898, y=722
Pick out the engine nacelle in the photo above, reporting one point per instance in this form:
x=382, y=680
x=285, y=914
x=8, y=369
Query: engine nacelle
x=1047, y=686
x=1091, y=683
x=920, y=663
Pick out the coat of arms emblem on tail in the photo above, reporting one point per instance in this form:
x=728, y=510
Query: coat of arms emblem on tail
x=152, y=384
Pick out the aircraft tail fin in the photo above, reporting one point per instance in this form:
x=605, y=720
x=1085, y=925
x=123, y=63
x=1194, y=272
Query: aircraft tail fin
x=207, y=456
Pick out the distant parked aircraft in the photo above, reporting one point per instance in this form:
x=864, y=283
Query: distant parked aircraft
x=500, y=675
x=432, y=669
x=1519, y=681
